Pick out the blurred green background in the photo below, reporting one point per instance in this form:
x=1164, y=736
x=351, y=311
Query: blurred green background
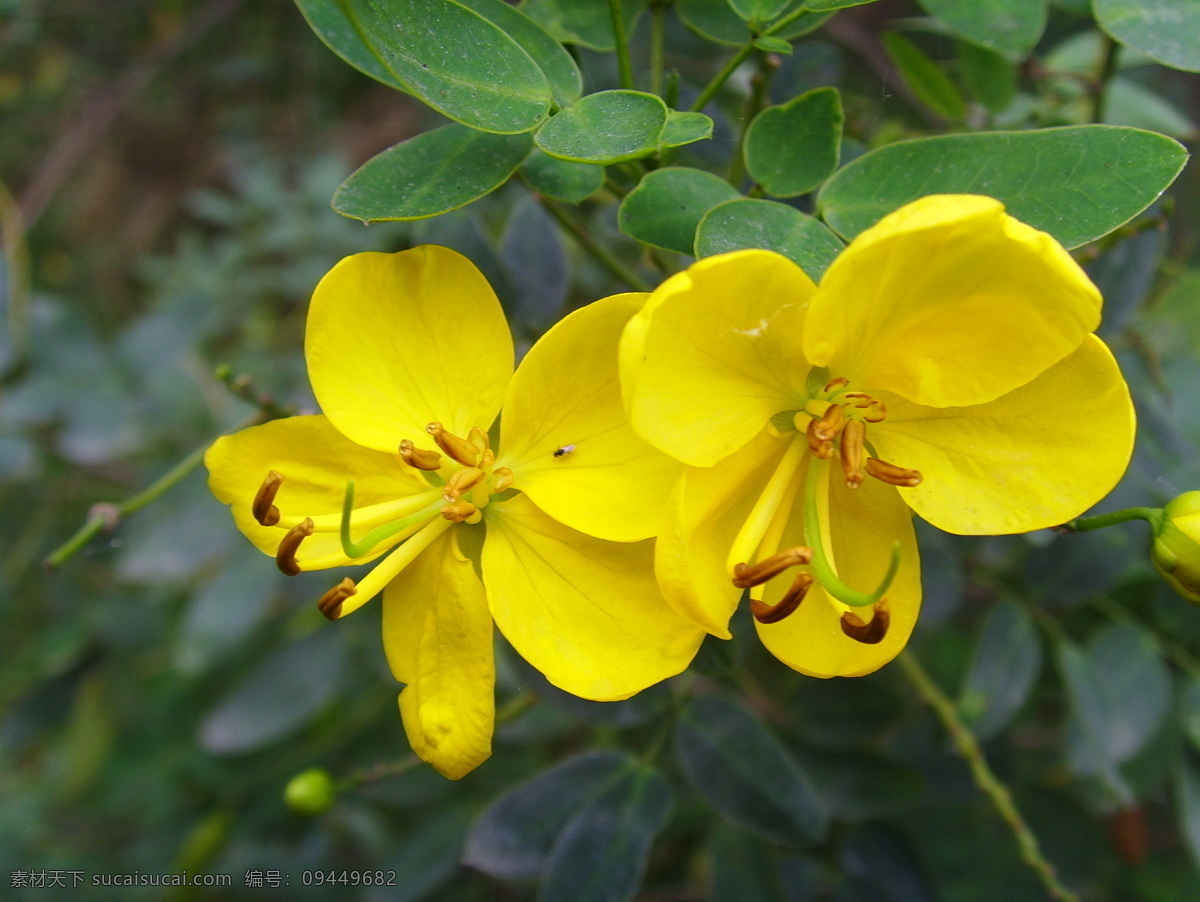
x=168, y=169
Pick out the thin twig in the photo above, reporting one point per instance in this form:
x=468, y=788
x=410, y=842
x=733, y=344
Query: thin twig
x=624, y=64
x=711, y=89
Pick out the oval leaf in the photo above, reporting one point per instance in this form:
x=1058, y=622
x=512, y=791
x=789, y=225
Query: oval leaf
x=1077, y=183
x=772, y=226
x=430, y=174
x=563, y=179
x=731, y=760
x=1135, y=685
x=717, y=21
x=758, y=11
x=667, y=205
x=791, y=149
x=924, y=77
x=684, y=128
x=1009, y=26
x=337, y=32
x=1007, y=661
x=457, y=62
x=583, y=22
x=1165, y=30
x=607, y=127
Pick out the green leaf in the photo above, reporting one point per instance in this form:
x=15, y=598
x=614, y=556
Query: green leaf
x=716, y=21
x=733, y=762
x=1164, y=30
x=1135, y=685
x=925, y=77
x=990, y=78
x=584, y=22
x=772, y=44
x=756, y=12
x=602, y=854
x=829, y=5
x=562, y=179
x=1128, y=103
x=1187, y=802
x=1008, y=26
x=607, y=127
x=457, y=62
x=791, y=149
x=773, y=226
x=667, y=205
x=1006, y=663
x=684, y=128
x=430, y=174
x=746, y=868
x=1077, y=183
x=337, y=32
x=566, y=84
x=514, y=836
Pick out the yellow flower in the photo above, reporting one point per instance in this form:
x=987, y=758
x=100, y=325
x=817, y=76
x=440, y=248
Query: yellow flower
x=945, y=364
x=410, y=359
x=1176, y=548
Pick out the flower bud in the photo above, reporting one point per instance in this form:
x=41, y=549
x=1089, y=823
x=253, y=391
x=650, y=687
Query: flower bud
x=310, y=792
x=1176, y=550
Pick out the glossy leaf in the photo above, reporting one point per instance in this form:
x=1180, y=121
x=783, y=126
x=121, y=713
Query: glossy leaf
x=717, y=21
x=989, y=77
x=1164, y=30
x=1077, y=183
x=1006, y=663
x=758, y=11
x=562, y=179
x=607, y=127
x=1008, y=26
x=583, y=22
x=792, y=148
x=514, y=836
x=773, y=226
x=684, y=128
x=566, y=84
x=330, y=23
x=738, y=767
x=431, y=174
x=667, y=205
x=602, y=854
x=457, y=62
x=924, y=77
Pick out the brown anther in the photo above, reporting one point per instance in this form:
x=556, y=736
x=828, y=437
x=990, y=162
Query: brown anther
x=822, y=448
x=285, y=556
x=458, y=448
x=479, y=439
x=765, y=613
x=877, y=409
x=892, y=474
x=263, y=508
x=827, y=427
x=747, y=575
x=419, y=457
x=459, y=511
x=867, y=633
x=331, y=602
x=833, y=384
x=851, y=452
x=461, y=482
x=502, y=478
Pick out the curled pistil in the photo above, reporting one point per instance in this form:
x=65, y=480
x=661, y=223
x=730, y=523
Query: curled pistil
x=330, y=604
x=867, y=632
x=460, y=449
x=263, y=508
x=746, y=576
x=419, y=458
x=285, y=556
x=892, y=474
x=766, y=613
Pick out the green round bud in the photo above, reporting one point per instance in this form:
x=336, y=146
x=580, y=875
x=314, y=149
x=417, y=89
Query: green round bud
x=310, y=791
x=1176, y=549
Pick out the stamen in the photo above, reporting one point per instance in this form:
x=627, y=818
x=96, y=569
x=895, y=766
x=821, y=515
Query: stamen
x=502, y=478
x=331, y=602
x=391, y=566
x=871, y=633
x=459, y=511
x=285, y=556
x=765, y=613
x=892, y=474
x=747, y=541
x=878, y=411
x=851, y=450
x=487, y=459
x=827, y=427
x=263, y=507
x=460, y=449
x=461, y=482
x=820, y=447
x=748, y=575
x=419, y=457
x=833, y=384
x=479, y=439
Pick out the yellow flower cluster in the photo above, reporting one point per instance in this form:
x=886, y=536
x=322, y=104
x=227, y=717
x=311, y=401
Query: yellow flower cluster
x=738, y=431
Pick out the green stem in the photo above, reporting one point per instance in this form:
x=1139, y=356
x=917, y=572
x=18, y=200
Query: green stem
x=1100, y=88
x=1151, y=515
x=624, y=64
x=658, y=16
x=602, y=254
x=759, y=86
x=967, y=746
x=738, y=58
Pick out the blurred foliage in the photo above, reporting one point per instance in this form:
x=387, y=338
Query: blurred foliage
x=171, y=165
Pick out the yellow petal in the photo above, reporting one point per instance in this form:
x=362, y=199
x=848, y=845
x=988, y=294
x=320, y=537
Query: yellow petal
x=315, y=461
x=948, y=302
x=396, y=341
x=715, y=353
x=438, y=637
x=565, y=436
x=703, y=515
x=584, y=612
x=1033, y=458
x=863, y=524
